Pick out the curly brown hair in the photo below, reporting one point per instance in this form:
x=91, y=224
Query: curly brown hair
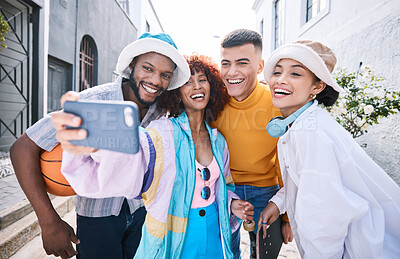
x=170, y=100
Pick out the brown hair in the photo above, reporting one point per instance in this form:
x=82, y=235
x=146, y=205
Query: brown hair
x=241, y=37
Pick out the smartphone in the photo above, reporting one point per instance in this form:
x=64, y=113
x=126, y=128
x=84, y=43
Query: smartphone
x=111, y=125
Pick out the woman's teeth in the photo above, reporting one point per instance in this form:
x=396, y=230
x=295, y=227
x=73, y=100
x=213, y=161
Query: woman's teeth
x=195, y=96
x=282, y=92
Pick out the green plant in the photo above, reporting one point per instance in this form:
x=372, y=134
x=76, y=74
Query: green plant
x=365, y=102
x=4, y=28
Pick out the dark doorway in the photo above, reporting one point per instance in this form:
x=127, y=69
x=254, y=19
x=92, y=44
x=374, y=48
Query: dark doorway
x=59, y=82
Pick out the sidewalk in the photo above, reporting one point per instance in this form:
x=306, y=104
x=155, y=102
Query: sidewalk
x=12, y=195
x=10, y=192
x=34, y=249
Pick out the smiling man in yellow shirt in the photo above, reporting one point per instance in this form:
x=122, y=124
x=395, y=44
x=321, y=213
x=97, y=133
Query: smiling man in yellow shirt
x=254, y=163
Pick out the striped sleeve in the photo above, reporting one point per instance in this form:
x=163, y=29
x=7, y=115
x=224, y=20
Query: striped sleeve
x=162, y=168
x=108, y=174
x=235, y=224
x=227, y=169
x=43, y=133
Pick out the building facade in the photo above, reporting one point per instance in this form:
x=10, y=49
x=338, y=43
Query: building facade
x=143, y=15
x=366, y=31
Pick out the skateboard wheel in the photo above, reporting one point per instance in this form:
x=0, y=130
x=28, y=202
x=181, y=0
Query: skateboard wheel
x=249, y=226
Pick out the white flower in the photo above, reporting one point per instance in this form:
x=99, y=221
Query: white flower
x=389, y=97
x=368, y=76
x=368, y=109
x=369, y=92
x=361, y=108
x=359, y=122
x=380, y=94
x=339, y=107
x=336, y=110
x=341, y=70
x=365, y=67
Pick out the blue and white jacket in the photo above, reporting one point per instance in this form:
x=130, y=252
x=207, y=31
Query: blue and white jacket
x=160, y=174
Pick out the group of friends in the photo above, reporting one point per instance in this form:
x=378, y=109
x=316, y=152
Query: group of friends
x=206, y=162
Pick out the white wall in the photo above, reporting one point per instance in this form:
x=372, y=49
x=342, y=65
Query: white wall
x=365, y=31
x=142, y=11
x=46, y=11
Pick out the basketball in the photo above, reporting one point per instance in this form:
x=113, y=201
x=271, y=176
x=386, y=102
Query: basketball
x=55, y=182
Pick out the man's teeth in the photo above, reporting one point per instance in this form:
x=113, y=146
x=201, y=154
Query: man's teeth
x=150, y=90
x=235, y=81
x=197, y=96
x=282, y=91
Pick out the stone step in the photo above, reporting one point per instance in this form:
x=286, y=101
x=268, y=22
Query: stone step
x=34, y=249
x=14, y=213
x=18, y=233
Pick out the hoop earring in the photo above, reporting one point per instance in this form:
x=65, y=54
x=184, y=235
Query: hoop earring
x=313, y=96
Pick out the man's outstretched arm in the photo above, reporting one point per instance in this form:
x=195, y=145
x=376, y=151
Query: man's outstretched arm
x=57, y=235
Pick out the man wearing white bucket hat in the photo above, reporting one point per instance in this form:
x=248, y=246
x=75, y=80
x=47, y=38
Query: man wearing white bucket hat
x=106, y=228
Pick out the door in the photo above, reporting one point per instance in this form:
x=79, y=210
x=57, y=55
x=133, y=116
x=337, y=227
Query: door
x=15, y=73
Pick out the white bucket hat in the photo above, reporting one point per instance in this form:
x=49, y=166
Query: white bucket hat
x=160, y=43
x=317, y=57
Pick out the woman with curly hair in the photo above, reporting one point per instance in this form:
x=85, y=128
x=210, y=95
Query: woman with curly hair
x=171, y=101
x=181, y=172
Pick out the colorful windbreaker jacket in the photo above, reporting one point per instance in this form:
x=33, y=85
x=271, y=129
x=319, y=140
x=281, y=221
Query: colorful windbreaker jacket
x=162, y=174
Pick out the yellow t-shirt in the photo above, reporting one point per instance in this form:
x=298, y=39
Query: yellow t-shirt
x=252, y=150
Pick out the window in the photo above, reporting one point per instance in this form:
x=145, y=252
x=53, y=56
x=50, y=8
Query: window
x=87, y=63
x=124, y=5
x=314, y=7
x=312, y=11
x=278, y=23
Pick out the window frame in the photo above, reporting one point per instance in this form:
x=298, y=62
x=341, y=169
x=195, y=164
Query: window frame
x=88, y=58
x=278, y=26
x=306, y=25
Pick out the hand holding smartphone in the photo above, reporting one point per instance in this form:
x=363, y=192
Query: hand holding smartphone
x=111, y=125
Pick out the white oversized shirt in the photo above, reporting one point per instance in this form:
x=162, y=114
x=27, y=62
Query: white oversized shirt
x=340, y=203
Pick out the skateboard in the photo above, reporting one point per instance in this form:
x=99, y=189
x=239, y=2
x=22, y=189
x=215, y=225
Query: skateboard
x=269, y=246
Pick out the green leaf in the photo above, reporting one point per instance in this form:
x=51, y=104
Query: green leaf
x=364, y=88
x=4, y=28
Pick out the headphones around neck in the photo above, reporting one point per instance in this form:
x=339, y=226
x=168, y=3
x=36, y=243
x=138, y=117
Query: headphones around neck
x=278, y=126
